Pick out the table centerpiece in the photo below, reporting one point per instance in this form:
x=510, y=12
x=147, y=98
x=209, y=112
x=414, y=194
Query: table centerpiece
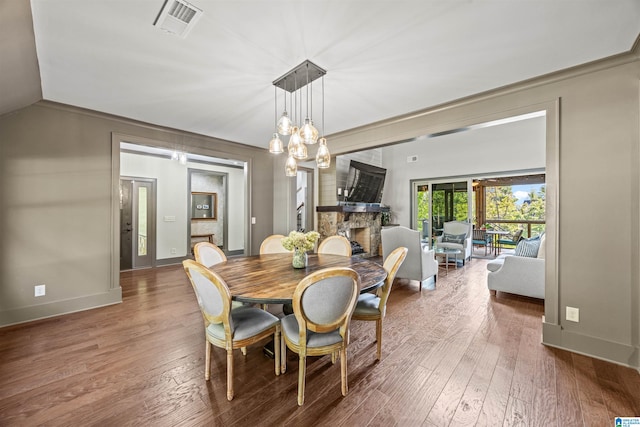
x=300, y=243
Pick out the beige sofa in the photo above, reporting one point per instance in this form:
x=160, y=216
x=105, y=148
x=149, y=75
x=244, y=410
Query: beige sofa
x=518, y=275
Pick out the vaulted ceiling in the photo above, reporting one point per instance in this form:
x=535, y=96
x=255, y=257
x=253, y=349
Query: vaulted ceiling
x=383, y=58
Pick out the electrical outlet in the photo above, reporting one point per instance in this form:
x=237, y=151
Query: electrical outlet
x=253, y=220
x=573, y=314
x=39, y=290
x=173, y=250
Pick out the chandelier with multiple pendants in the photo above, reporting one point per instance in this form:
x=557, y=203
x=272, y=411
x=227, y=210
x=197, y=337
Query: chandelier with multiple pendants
x=293, y=82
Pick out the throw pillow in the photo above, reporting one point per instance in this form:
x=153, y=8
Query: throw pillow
x=453, y=238
x=528, y=247
x=542, y=250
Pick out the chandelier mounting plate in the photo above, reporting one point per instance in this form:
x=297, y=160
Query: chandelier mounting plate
x=297, y=77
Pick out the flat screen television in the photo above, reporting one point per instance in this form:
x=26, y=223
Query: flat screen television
x=365, y=183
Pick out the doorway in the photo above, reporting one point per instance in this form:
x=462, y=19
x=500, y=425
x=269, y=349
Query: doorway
x=437, y=202
x=137, y=223
x=304, y=200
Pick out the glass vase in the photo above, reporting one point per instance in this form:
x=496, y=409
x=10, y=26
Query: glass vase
x=299, y=259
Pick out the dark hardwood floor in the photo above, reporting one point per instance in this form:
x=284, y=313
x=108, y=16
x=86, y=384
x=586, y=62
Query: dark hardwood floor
x=451, y=356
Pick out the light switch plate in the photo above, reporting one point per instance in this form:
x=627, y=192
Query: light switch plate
x=573, y=314
x=39, y=290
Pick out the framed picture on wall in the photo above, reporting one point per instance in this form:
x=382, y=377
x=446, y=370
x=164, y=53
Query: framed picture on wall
x=204, y=205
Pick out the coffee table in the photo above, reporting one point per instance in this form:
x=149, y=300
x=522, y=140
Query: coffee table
x=446, y=253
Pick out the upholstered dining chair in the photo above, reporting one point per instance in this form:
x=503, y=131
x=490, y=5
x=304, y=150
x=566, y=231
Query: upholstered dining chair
x=225, y=327
x=273, y=245
x=323, y=303
x=208, y=254
x=336, y=245
x=373, y=307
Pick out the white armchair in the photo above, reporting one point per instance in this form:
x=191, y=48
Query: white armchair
x=420, y=263
x=458, y=228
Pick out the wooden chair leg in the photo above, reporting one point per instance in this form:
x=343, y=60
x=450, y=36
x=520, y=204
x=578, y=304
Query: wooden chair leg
x=283, y=355
x=276, y=348
x=379, y=338
x=243, y=350
x=207, y=360
x=302, y=370
x=230, y=374
x=343, y=371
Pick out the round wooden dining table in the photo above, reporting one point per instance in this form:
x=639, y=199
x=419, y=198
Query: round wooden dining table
x=271, y=279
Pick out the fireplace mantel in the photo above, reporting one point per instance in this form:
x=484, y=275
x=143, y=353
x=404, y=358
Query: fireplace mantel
x=347, y=209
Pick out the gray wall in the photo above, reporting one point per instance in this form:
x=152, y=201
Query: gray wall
x=593, y=191
x=508, y=147
x=56, y=205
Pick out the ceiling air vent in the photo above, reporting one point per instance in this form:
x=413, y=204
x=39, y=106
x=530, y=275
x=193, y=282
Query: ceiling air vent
x=178, y=17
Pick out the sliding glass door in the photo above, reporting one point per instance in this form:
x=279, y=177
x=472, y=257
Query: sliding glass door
x=437, y=202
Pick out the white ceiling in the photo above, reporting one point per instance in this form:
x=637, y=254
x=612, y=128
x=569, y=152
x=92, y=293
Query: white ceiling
x=383, y=58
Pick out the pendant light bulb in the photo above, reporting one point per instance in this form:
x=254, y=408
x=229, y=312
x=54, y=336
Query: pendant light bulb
x=275, y=145
x=300, y=151
x=295, y=139
x=284, y=124
x=308, y=132
x=291, y=167
x=323, y=157
x=291, y=147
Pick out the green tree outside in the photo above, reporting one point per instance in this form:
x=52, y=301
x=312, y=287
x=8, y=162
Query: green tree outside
x=501, y=204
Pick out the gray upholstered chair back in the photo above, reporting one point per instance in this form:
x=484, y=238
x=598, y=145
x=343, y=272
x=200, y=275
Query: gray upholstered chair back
x=327, y=300
x=324, y=301
x=208, y=254
x=211, y=292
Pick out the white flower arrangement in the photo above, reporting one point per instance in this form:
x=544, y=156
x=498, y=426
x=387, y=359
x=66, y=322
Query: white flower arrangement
x=297, y=241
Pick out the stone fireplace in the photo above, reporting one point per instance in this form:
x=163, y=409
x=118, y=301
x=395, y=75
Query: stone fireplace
x=361, y=235
x=357, y=223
